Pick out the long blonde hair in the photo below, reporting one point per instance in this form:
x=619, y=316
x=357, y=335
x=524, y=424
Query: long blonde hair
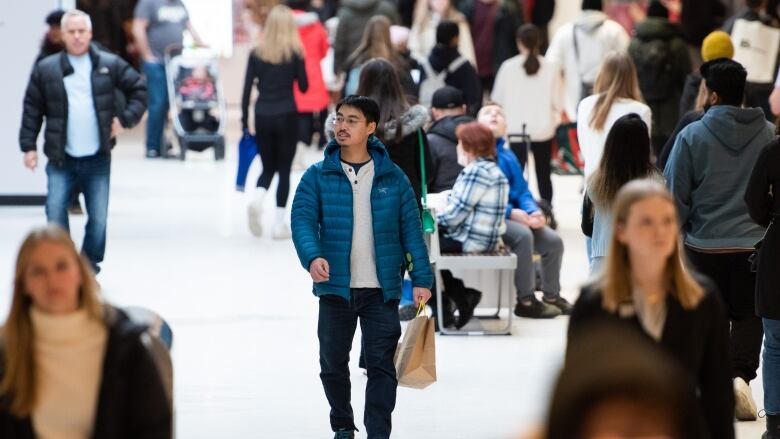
x=19, y=383
x=280, y=37
x=616, y=285
x=376, y=43
x=617, y=79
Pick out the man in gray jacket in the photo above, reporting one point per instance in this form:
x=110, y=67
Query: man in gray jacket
x=707, y=172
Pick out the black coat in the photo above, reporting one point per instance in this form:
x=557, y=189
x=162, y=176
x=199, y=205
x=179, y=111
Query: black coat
x=690, y=92
x=509, y=18
x=117, y=89
x=444, y=157
x=686, y=120
x=698, y=339
x=764, y=208
x=132, y=401
x=464, y=79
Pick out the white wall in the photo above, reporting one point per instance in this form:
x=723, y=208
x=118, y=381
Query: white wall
x=21, y=30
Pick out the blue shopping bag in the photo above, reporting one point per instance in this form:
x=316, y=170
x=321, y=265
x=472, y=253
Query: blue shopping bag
x=407, y=297
x=247, y=150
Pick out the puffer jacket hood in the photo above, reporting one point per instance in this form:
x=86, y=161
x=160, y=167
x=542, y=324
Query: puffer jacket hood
x=590, y=21
x=415, y=118
x=376, y=149
x=445, y=126
x=657, y=28
x=359, y=5
x=735, y=128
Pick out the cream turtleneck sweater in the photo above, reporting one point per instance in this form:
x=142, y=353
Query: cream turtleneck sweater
x=69, y=351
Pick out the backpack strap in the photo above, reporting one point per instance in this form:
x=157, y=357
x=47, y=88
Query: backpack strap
x=456, y=64
x=429, y=73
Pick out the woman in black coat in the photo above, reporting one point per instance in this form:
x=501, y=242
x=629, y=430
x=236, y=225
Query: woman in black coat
x=71, y=366
x=764, y=207
x=659, y=298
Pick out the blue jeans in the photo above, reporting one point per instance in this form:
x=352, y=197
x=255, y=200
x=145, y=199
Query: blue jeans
x=92, y=175
x=381, y=330
x=771, y=367
x=157, y=92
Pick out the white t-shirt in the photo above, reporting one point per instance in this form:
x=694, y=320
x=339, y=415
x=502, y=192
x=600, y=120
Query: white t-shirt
x=591, y=140
x=536, y=101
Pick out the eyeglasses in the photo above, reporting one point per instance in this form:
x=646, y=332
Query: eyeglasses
x=351, y=122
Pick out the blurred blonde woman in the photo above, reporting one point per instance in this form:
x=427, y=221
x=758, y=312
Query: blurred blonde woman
x=645, y=287
x=616, y=93
x=427, y=15
x=275, y=66
x=70, y=365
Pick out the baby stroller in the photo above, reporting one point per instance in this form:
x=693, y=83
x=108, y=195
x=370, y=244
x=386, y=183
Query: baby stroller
x=197, y=103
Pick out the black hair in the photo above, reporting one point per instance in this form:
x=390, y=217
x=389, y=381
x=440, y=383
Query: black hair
x=446, y=31
x=55, y=17
x=753, y=4
x=626, y=157
x=528, y=35
x=727, y=78
x=366, y=105
x=657, y=9
x=593, y=5
x=303, y=5
x=379, y=81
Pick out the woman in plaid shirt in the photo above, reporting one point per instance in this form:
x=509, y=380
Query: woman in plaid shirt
x=474, y=218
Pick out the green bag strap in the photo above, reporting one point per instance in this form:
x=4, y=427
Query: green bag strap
x=422, y=169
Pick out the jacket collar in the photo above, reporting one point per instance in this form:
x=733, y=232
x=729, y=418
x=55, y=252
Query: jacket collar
x=67, y=68
x=377, y=151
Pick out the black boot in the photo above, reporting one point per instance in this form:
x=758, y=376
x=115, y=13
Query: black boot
x=456, y=290
x=448, y=316
x=472, y=298
x=772, y=427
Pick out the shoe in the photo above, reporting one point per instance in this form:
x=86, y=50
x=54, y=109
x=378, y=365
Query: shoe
x=448, y=315
x=562, y=304
x=281, y=231
x=75, y=208
x=152, y=153
x=772, y=427
x=349, y=434
x=745, y=407
x=536, y=309
x=255, y=212
x=466, y=312
x=407, y=312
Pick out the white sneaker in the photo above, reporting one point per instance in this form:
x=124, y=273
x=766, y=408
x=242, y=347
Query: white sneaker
x=255, y=214
x=745, y=407
x=281, y=231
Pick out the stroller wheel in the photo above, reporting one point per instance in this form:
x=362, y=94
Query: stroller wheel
x=219, y=149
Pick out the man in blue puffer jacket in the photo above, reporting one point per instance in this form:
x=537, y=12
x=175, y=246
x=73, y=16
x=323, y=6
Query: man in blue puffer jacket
x=356, y=228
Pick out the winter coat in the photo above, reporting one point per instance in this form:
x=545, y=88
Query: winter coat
x=707, y=173
x=596, y=36
x=132, y=401
x=464, y=78
x=672, y=73
x=534, y=101
x=422, y=37
x=353, y=16
x=315, y=48
x=444, y=156
x=764, y=208
x=117, y=89
x=322, y=221
x=509, y=18
x=687, y=119
x=697, y=338
x=520, y=196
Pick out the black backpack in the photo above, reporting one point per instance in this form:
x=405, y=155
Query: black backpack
x=655, y=69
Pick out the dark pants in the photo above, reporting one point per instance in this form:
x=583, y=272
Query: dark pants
x=381, y=330
x=737, y=284
x=278, y=136
x=542, y=163
x=157, y=94
x=310, y=123
x=91, y=174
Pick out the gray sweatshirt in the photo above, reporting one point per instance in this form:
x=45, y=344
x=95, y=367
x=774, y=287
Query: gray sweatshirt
x=708, y=171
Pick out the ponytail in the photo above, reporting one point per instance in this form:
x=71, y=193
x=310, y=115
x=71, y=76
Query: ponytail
x=528, y=37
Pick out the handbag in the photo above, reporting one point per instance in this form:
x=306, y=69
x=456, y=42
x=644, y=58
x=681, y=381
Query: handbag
x=428, y=223
x=566, y=153
x=247, y=150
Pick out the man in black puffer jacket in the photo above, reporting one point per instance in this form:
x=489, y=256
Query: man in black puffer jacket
x=449, y=111
x=87, y=96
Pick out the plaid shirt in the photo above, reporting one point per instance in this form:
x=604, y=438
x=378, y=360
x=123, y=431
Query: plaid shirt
x=476, y=207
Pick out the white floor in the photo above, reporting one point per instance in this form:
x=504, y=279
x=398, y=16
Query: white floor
x=245, y=347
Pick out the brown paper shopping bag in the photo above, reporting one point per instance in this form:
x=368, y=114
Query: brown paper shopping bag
x=415, y=361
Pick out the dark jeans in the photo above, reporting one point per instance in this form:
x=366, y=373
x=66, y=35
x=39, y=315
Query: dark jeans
x=381, y=330
x=278, y=136
x=92, y=175
x=542, y=164
x=737, y=285
x=157, y=94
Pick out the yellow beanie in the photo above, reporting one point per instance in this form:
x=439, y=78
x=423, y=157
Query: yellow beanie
x=717, y=45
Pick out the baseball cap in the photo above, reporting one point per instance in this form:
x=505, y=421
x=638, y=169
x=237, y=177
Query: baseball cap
x=447, y=97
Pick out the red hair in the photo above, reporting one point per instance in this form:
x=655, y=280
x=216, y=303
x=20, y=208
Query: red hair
x=477, y=139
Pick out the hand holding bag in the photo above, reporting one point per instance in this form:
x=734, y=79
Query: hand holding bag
x=415, y=361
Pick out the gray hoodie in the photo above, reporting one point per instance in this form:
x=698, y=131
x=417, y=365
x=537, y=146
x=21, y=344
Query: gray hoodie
x=708, y=171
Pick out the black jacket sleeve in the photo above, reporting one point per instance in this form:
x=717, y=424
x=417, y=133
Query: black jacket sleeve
x=715, y=387
x=249, y=80
x=150, y=413
x=757, y=197
x=687, y=119
x=300, y=75
x=133, y=87
x=32, y=116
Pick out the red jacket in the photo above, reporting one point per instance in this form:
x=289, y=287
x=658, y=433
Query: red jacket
x=315, y=47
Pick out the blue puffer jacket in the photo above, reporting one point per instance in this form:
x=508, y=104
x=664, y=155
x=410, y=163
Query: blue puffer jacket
x=322, y=223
